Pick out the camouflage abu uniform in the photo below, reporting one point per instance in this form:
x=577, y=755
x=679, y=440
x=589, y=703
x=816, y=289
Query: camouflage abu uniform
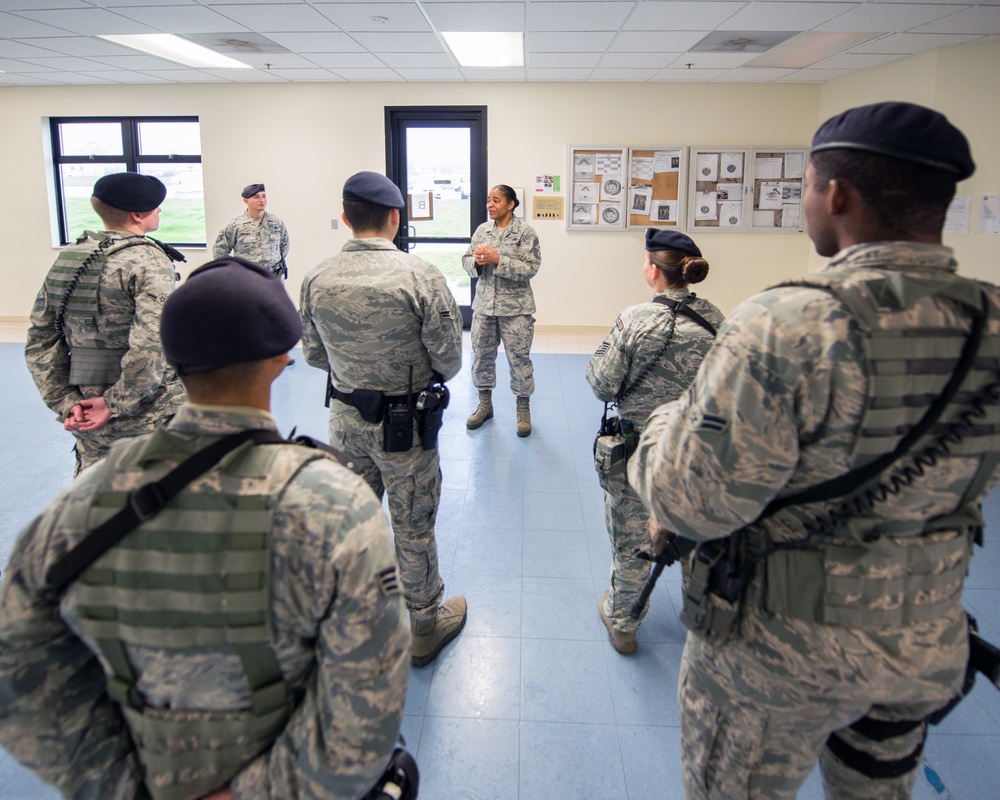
x=504, y=304
x=265, y=242
x=775, y=408
x=340, y=638
x=132, y=288
x=628, y=350
x=369, y=314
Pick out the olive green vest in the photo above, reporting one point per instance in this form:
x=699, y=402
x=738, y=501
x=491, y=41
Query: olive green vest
x=884, y=572
x=197, y=575
x=72, y=287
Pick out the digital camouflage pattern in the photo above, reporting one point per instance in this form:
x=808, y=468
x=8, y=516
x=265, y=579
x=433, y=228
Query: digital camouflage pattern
x=504, y=304
x=132, y=289
x=265, y=243
x=631, y=351
x=774, y=409
x=369, y=314
x=341, y=637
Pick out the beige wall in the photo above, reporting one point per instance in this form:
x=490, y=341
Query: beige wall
x=304, y=140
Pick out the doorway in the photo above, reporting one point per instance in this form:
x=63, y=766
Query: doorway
x=436, y=155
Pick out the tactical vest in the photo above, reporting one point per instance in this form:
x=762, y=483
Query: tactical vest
x=883, y=572
x=72, y=287
x=197, y=575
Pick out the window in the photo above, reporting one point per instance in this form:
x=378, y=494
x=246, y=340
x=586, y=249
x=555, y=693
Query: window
x=85, y=148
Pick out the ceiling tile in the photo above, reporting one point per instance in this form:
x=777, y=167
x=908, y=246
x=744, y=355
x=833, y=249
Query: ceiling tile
x=358, y=16
x=755, y=75
x=856, y=61
x=310, y=75
x=783, y=16
x=12, y=49
x=91, y=21
x=317, y=42
x=383, y=74
x=559, y=75
x=680, y=16
x=183, y=75
x=26, y=80
x=186, y=19
x=573, y=16
x=689, y=75
x=886, y=17
x=712, y=60
x=337, y=61
x=64, y=63
x=125, y=76
x=276, y=60
x=466, y=17
x=74, y=78
x=140, y=62
x=511, y=74
x=814, y=75
x=554, y=42
x=399, y=42
x=982, y=20
x=17, y=27
x=636, y=60
x=37, y=5
x=651, y=41
x=82, y=46
x=245, y=75
x=422, y=74
x=622, y=74
x=909, y=43
x=563, y=60
x=266, y=18
x=398, y=61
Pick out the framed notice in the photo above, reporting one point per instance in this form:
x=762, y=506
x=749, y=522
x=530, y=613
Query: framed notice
x=657, y=180
x=777, y=189
x=718, y=199
x=598, y=188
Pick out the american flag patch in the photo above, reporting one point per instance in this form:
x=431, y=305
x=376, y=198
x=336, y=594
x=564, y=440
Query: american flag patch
x=388, y=581
x=620, y=325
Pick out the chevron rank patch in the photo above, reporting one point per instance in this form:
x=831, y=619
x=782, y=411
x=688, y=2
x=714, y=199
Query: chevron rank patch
x=602, y=349
x=446, y=314
x=388, y=581
x=698, y=420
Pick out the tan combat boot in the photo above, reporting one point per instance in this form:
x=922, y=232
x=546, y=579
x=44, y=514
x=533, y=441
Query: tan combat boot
x=523, y=417
x=625, y=642
x=430, y=635
x=483, y=412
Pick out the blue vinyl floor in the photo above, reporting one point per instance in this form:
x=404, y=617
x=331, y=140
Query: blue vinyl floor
x=530, y=702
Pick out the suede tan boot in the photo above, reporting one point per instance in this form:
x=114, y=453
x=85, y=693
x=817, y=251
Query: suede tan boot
x=483, y=412
x=523, y=417
x=430, y=635
x=625, y=642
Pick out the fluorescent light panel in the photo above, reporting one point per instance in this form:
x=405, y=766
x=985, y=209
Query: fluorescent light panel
x=174, y=48
x=486, y=49
x=810, y=48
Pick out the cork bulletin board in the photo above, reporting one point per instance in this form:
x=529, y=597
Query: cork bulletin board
x=777, y=189
x=598, y=188
x=657, y=177
x=719, y=189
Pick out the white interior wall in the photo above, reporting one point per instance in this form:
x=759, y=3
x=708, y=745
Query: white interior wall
x=304, y=140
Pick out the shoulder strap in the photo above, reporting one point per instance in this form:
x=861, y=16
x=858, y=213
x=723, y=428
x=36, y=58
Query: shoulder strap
x=848, y=482
x=145, y=502
x=681, y=307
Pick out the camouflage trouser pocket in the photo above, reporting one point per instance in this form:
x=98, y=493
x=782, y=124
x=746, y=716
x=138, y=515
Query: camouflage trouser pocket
x=610, y=460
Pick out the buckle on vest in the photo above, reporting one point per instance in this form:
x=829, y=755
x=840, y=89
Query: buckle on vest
x=146, y=501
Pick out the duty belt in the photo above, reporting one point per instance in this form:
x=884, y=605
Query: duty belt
x=347, y=398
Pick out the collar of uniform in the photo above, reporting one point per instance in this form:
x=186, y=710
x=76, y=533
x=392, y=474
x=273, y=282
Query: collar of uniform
x=896, y=255
x=247, y=218
x=674, y=294
x=211, y=420
x=513, y=227
x=373, y=243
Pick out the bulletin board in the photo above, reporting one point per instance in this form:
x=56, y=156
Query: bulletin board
x=657, y=177
x=598, y=189
x=777, y=189
x=718, y=195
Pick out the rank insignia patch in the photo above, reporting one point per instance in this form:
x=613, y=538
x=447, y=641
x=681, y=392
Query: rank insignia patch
x=388, y=581
x=698, y=420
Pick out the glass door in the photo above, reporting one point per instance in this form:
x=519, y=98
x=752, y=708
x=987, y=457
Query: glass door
x=437, y=158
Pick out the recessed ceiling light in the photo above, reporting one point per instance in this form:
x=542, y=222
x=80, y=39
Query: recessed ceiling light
x=810, y=48
x=174, y=48
x=486, y=49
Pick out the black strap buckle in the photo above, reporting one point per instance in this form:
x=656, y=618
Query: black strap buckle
x=146, y=501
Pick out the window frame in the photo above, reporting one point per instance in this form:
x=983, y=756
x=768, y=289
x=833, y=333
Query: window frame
x=130, y=156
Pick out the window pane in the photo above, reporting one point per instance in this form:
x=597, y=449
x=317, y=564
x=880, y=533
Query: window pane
x=448, y=259
x=91, y=139
x=169, y=138
x=78, y=183
x=182, y=220
x=437, y=167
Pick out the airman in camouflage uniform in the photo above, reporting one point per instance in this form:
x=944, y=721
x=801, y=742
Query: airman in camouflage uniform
x=650, y=356
x=115, y=383
x=256, y=234
x=849, y=629
x=337, y=619
x=504, y=254
x=377, y=319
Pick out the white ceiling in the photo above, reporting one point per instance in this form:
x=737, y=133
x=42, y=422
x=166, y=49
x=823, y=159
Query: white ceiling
x=44, y=42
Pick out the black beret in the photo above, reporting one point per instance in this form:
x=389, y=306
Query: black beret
x=130, y=191
x=899, y=130
x=227, y=312
x=661, y=239
x=373, y=187
x=252, y=189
